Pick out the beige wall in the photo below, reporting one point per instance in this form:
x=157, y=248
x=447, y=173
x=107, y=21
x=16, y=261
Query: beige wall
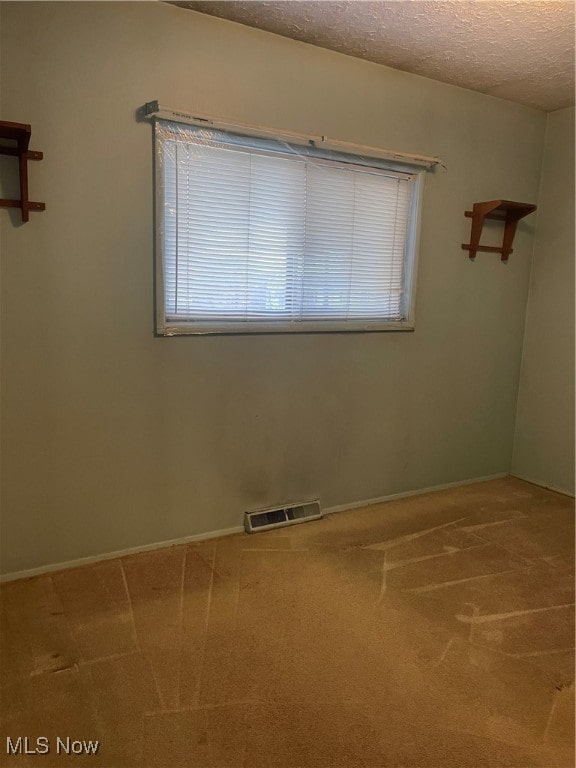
x=544, y=441
x=114, y=438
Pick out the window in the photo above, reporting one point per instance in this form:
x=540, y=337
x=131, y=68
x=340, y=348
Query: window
x=259, y=235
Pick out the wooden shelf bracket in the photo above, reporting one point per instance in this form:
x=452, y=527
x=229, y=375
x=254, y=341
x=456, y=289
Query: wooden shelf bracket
x=506, y=211
x=19, y=135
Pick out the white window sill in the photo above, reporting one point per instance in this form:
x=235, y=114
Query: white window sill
x=252, y=327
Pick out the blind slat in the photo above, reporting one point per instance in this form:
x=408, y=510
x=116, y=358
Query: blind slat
x=246, y=235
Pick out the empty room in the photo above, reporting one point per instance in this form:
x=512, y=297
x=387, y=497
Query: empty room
x=287, y=384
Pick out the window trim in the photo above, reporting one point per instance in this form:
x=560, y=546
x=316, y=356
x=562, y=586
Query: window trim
x=166, y=328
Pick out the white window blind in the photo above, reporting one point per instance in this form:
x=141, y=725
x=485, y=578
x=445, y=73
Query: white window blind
x=259, y=235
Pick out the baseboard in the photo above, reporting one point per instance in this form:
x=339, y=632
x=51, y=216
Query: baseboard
x=417, y=492
x=117, y=553
x=227, y=531
x=547, y=486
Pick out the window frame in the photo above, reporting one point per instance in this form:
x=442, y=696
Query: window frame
x=251, y=327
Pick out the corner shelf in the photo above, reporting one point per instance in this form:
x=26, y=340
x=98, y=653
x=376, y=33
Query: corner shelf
x=20, y=133
x=507, y=211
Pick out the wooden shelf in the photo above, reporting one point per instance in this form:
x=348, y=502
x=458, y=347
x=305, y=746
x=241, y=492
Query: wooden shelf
x=507, y=211
x=20, y=134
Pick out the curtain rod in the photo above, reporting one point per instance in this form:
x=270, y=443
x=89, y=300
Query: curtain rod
x=153, y=109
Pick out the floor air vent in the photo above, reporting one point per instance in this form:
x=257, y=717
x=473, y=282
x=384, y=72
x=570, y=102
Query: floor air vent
x=276, y=517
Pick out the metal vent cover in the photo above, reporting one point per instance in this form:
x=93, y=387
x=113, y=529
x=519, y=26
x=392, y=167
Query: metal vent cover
x=278, y=517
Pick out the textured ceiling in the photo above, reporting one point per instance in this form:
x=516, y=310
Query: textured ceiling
x=522, y=50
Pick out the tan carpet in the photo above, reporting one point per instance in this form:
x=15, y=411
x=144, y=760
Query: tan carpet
x=432, y=631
